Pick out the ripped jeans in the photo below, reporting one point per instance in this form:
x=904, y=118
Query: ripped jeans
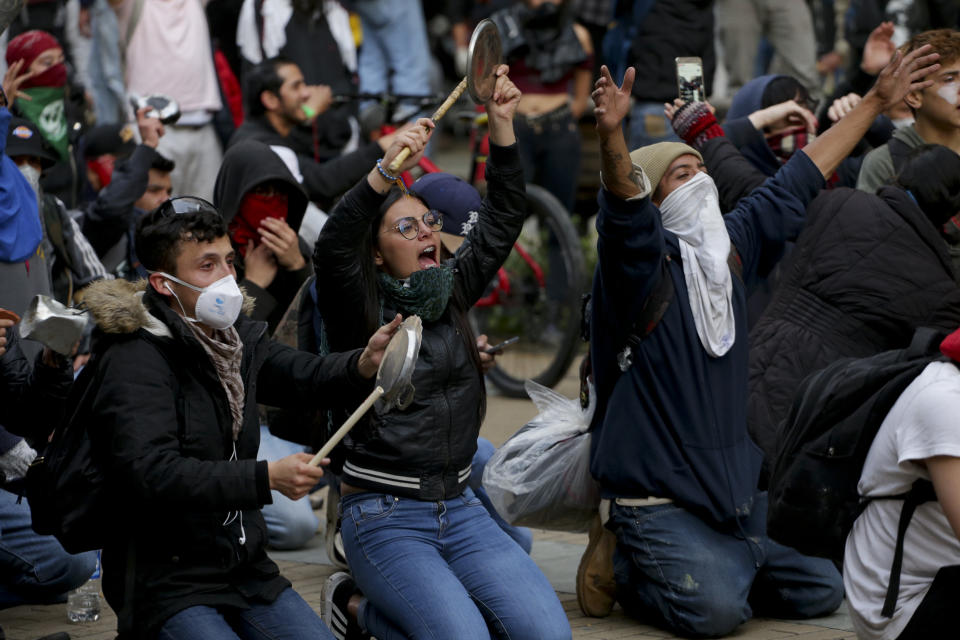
x=677, y=571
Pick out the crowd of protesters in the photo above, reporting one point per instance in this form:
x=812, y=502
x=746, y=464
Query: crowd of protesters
x=210, y=180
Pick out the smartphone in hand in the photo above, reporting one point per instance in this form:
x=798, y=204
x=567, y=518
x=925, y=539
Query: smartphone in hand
x=690, y=86
x=497, y=348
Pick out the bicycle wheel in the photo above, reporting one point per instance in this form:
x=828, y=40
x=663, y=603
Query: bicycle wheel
x=535, y=296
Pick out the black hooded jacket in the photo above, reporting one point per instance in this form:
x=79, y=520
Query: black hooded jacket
x=323, y=181
x=866, y=271
x=245, y=165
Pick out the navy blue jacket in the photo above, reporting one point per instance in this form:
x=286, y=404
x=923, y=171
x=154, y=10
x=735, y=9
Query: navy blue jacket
x=674, y=425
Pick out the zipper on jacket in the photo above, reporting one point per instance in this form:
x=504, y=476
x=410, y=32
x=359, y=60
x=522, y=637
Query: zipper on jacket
x=449, y=418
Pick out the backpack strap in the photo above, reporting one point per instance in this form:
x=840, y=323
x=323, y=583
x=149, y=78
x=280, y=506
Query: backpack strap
x=921, y=491
x=899, y=151
x=654, y=307
x=657, y=303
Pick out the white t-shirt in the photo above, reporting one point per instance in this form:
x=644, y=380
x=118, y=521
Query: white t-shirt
x=169, y=53
x=924, y=422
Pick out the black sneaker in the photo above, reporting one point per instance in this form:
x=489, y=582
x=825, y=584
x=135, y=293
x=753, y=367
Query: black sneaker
x=336, y=594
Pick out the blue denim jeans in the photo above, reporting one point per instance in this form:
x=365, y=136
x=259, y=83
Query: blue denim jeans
x=395, y=55
x=290, y=523
x=550, y=153
x=106, y=75
x=675, y=570
x=35, y=568
x=485, y=450
x=444, y=570
x=648, y=125
x=288, y=617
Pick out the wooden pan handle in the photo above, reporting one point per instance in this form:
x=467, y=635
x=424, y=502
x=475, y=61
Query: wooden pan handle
x=439, y=113
x=349, y=424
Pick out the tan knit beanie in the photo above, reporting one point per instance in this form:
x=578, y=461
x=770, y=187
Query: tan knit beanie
x=655, y=158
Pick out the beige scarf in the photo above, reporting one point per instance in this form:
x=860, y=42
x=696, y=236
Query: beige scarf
x=226, y=353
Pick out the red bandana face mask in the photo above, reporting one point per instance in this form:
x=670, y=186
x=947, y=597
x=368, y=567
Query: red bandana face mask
x=784, y=144
x=102, y=166
x=53, y=76
x=254, y=208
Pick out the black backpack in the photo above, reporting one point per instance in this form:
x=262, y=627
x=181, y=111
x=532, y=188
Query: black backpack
x=65, y=484
x=823, y=444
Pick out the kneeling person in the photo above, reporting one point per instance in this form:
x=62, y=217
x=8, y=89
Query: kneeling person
x=176, y=375
x=669, y=444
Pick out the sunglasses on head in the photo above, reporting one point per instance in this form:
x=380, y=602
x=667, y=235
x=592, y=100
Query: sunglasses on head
x=409, y=227
x=184, y=205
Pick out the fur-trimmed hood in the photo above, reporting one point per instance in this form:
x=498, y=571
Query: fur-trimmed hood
x=117, y=307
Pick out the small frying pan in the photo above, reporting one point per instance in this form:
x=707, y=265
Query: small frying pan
x=394, y=386
x=483, y=58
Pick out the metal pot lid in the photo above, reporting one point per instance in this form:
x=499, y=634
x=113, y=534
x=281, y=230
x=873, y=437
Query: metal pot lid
x=399, y=361
x=483, y=58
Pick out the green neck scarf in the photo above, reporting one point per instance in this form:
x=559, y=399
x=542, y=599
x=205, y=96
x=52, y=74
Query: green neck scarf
x=45, y=109
x=426, y=294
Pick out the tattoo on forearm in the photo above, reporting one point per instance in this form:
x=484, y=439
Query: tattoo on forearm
x=617, y=167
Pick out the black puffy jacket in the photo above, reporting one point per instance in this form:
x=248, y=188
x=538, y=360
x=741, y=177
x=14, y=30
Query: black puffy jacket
x=163, y=423
x=865, y=272
x=425, y=450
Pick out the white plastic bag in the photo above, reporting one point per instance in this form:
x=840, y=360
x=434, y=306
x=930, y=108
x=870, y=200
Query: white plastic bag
x=540, y=477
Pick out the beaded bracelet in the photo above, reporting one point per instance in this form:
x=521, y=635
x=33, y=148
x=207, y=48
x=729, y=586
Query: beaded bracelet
x=383, y=172
x=389, y=178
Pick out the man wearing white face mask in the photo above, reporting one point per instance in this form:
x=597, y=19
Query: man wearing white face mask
x=176, y=375
x=682, y=538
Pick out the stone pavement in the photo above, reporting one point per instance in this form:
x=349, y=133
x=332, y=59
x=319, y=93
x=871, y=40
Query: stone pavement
x=557, y=554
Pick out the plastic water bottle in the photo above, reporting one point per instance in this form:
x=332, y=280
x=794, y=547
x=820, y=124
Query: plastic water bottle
x=83, y=603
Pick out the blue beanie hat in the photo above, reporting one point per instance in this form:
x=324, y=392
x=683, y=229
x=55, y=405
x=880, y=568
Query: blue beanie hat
x=455, y=198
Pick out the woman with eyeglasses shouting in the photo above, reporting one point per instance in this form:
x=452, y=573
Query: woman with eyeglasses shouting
x=427, y=558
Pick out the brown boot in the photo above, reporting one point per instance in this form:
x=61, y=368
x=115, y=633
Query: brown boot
x=596, y=586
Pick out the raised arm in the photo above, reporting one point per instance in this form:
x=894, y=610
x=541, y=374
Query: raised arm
x=612, y=104
x=631, y=243
x=902, y=75
x=108, y=218
x=338, y=254
x=501, y=215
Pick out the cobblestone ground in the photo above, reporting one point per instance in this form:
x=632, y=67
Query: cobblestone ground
x=556, y=553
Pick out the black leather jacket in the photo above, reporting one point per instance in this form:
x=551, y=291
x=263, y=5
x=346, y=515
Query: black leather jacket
x=425, y=450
